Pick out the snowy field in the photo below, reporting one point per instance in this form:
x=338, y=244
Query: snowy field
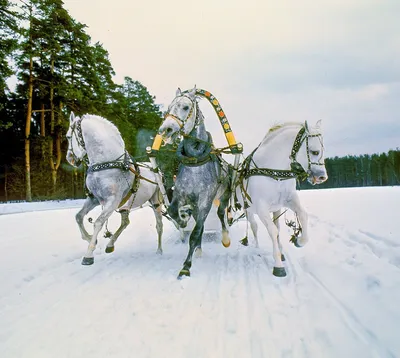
x=341, y=297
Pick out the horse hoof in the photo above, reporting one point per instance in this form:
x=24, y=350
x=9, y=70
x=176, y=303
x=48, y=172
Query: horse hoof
x=183, y=272
x=226, y=242
x=295, y=241
x=109, y=249
x=283, y=257
x=279, y=272
x=244, y=241
x=88, y=261
x=159, y=252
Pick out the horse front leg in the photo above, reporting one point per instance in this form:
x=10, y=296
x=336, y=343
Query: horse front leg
x=194, y=242
x=90, y=203
x=294, y=205
x=254, y=228
x=124, y=223
x=175, y=213
x=108, y=209
x=265, y=217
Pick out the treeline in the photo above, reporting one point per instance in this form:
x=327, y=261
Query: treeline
x=364, y=170
x=57, y=69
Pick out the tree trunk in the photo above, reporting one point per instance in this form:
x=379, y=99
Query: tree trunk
x=28, y=194
x=54, y=164
x=43, y=131
x=5, y=182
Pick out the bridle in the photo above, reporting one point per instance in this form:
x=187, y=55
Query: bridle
x=76, y=129
x=194, y=110
x=298, y=142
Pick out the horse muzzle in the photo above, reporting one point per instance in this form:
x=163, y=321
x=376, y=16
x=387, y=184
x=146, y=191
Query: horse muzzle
x=73, y=160
x=317, y=179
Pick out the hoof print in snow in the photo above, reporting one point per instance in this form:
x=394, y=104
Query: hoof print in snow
x=88, y=261
x=279, y=272
x=109, y=249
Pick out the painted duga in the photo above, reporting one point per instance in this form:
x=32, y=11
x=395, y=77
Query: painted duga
x=110, y=181
x=288, y=152
x=202, y=176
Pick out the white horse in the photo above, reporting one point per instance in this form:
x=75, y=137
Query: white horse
x=288, y=152
x=113, y=180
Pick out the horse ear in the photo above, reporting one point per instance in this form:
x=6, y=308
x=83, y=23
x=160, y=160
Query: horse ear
x=71, y=117
x=306, y=126
x=192, y=92
x=318, y=124
x=178, y=92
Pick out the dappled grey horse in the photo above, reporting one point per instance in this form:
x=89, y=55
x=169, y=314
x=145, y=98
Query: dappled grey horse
x=113, y=180
x=202, y=177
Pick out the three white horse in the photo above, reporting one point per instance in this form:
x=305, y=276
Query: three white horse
x=268, y=180
x=113, y=180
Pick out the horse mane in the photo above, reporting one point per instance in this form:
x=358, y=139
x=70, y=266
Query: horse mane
x=276, y=128
x=105, y=123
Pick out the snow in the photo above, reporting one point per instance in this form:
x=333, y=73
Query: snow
x=340, y=298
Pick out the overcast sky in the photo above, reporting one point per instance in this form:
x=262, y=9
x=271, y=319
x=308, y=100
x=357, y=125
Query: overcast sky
x=266, y=61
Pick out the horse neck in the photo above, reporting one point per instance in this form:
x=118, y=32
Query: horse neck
x=192, y=147
x=274, y=151
x=102, y=143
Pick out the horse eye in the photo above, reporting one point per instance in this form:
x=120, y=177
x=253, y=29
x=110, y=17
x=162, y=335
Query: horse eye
x=314, y=152
x=185, y=108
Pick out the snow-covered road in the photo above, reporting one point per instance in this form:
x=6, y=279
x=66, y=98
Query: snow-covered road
x=341, y=297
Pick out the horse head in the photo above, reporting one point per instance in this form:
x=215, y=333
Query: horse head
x=311, y=154
x=76, y=152
x=181, y=116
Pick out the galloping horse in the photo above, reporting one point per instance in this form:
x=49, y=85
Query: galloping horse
x=113, y=180
x=288, y=152
x=202, y=176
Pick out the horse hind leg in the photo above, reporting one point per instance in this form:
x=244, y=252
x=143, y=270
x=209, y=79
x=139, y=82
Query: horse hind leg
x=279, y=269
x=254, y=228
x=90, y=203
x=222, y=215
x=124, y=223
x=159, y=225
x=276, y=215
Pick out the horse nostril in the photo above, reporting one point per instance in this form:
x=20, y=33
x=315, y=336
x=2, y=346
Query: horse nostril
x=322, y=178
